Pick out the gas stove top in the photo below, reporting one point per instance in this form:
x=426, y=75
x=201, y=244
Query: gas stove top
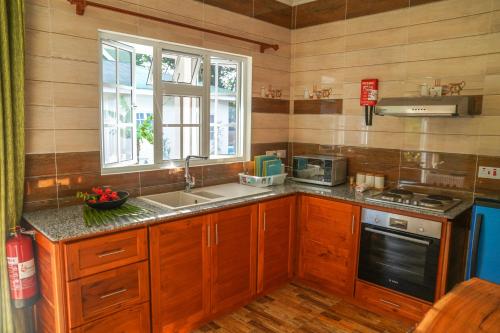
x=401, y=197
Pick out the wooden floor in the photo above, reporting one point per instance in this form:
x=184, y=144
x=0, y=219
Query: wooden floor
x=295, y=308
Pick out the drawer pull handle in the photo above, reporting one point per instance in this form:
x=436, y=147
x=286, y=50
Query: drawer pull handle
x=390, y=303
x=216, y=234
x=110, y=253
x=113, y=293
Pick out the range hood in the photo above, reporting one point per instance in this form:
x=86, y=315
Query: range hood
x=442, y=106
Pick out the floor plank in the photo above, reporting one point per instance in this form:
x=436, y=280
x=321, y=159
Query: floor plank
x=295, y=308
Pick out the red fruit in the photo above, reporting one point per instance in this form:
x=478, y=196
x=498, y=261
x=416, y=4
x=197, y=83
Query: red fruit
x=107, y=190
x=92, y=201
x=97, y=190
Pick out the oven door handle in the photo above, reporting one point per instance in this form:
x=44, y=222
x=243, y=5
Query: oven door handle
x=389, y=234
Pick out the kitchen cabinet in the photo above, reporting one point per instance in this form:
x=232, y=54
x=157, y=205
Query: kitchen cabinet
x=180, y=280
x=383, y=300
x=328, y=244
x=276, y=243
x=132, y=320
x=102, y=294
x=202, y=266
x=234, y=257
x=87, y=285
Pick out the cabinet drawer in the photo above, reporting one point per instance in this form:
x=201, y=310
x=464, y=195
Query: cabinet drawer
x=132, y=320
x=104, y=293
x=390, y=302
x=103, y=253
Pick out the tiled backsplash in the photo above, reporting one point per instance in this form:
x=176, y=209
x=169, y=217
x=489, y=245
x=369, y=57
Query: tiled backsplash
x=446, y=171
x=52, y=180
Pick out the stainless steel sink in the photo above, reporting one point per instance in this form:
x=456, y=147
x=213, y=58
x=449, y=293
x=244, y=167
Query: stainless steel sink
x=203, y=195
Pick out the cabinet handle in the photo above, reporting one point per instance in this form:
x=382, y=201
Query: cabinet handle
x=390, y=303
x=352, y=225
x=113, y=293
x=264, y=221
x=110, y=253
x=208, y=236
x=216, y=234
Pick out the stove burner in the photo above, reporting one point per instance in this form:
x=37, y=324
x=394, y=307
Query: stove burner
x=390, y=196
x=405, y=194
x=439, y=197
x=426, y=202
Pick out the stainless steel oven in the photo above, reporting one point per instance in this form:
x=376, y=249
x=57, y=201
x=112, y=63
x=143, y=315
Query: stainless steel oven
x=399, y=252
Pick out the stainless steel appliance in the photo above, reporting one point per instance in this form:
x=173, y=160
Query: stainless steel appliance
x=320, y=169
x=406, y=198
x=441, y=106
x=399, y=252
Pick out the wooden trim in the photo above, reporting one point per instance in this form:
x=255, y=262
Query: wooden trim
x=50, y=312
x=82, y=4
x=317, y=106
x=444, y=253
x=270, y=105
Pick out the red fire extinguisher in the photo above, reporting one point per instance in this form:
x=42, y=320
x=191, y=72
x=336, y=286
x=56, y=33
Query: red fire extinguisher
x=368, y=98
x=21, y=269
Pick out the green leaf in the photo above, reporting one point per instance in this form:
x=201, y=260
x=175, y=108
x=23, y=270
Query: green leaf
x=94, y=217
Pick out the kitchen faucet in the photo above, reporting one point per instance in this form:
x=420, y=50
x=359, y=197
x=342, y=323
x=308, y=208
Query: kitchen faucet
x=189, y=180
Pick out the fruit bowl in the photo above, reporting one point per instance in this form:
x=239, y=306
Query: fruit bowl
x=109, y=204
x=103, y=198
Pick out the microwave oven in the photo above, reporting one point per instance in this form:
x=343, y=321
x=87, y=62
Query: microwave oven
x=320, y=169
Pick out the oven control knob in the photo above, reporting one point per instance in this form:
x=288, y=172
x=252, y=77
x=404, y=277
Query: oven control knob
x=377, y=220
x=421, y=229
x=415, y=202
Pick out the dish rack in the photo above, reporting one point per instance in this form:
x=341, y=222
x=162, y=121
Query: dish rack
x=246, y=179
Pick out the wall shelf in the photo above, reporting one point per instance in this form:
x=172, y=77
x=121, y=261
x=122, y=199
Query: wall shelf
x=318, y=106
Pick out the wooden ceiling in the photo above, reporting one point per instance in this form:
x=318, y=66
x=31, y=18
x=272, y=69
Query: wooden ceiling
x=305, y=13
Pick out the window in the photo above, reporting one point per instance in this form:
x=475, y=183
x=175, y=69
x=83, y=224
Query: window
x=161, y=102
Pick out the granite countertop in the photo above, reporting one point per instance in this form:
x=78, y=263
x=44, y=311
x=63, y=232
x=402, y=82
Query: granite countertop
x=66, y=223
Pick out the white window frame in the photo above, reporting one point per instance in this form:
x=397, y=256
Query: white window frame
x=161, y=88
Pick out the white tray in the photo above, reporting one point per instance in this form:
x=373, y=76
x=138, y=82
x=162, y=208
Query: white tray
x=262, y=181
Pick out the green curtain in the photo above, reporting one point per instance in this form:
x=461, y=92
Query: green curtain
x=11, y=140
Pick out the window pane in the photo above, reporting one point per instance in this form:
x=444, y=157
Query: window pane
x=212, y=140
x=191, y=143
x=227, y=78
x=110, y=145
x=182, y=68
x=143, y=67
x=226, y=140
x=224, y=133
x=125, y=67
x=191, y=110
x=171, y=143
x=108, y=64
x=126, y=144
x=125, y=107
x=109, y=106
x=145, y=138
x=171, y=110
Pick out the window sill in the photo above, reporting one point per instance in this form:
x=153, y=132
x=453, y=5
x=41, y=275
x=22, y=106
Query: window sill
x=177, y=164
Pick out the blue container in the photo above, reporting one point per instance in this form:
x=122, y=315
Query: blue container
x=483, y=258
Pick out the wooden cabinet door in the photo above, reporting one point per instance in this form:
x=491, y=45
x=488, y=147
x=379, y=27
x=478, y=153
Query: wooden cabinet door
x=276, y=241
x=180, y=278
x=328, y=250
x=234, y=257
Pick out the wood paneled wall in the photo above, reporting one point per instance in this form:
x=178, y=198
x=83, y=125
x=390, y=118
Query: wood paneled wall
x=62, y=95
x=451, y=40
x=62, y=69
